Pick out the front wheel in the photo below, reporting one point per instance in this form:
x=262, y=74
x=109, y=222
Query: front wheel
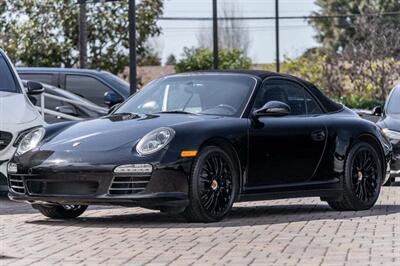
x=362, y=179
x=61, y=211
x=213, y=186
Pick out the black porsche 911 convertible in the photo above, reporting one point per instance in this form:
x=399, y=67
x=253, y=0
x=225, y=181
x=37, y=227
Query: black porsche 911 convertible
x=195, y=143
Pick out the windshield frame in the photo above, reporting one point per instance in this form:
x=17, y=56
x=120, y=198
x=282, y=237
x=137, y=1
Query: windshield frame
x=390, y=99
x=246, y=103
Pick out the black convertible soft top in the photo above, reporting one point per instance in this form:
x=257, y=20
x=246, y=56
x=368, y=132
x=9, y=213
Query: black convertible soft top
x=329, y=105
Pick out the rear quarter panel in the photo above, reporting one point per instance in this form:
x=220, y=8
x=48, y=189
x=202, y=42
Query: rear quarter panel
x=346, y=128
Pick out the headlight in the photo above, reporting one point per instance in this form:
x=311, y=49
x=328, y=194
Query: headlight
x=155, y=140
x=30, y=140
x=390, y=134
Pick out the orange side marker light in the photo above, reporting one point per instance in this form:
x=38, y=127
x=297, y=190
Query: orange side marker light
x=188, y=154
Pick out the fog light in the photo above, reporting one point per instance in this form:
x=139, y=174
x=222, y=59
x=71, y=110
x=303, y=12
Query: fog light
x=134, y=168
x=12, y=168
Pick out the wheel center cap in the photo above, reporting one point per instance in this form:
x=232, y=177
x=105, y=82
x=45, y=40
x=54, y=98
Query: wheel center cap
x=360, y=175
x=214, y=184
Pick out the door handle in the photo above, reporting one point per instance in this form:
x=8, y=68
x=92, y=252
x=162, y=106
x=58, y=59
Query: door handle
x=318, y=135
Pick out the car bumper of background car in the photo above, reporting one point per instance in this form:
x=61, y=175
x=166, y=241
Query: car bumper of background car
x=163, y=187
x=395, y=166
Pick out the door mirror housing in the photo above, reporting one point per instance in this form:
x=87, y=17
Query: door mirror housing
x=377, y=111
x=67, y=109
x=111, y=98
x=273, y=108
x=114, y=107
x=34, y=88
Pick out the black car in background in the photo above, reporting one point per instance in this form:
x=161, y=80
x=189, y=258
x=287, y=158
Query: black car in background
x=99, y=87
x=390, y=124
x=68, y=103
x=195, y=143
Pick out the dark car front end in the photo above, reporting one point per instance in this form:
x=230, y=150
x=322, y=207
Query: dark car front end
x=390, y=124
x=85, y=170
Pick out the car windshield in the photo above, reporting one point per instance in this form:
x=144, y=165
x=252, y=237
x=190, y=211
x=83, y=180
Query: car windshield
x=7, y=82
x=394, y=102
x=211, y=94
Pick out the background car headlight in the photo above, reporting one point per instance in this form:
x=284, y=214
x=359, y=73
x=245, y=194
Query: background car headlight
x=392, y=135
x=30, y=140
x=155, y=140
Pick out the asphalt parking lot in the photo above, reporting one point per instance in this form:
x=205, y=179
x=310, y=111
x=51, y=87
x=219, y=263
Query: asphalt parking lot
x=280, y=232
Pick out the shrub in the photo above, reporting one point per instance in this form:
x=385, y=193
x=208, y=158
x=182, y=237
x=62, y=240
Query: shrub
x=202, y=59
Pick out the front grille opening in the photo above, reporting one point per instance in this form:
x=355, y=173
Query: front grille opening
x=126, y=185
x=17, y=184
x=62, y=188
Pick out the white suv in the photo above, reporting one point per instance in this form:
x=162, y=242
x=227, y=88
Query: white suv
x=17, y=113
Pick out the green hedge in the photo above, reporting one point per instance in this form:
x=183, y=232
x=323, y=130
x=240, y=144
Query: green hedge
x=202, y=59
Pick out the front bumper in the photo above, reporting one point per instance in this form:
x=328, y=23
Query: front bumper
x=163, y=187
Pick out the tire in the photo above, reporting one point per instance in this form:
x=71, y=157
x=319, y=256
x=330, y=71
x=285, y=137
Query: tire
x=362, y=179
x=61, y=211
x=213, y=186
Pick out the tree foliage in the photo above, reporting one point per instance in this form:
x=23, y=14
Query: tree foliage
x=336, y=33
x=202, y=59
x=45, y=32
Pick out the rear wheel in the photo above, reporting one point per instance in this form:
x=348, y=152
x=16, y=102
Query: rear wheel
x=61, y=211
x=213, y=186
x=362, y=179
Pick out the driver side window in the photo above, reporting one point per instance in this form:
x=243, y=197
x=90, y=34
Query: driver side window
x=294, y=95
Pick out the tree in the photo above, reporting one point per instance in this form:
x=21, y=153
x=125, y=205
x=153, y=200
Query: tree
x=45, y=33
x=171, y=60
x=232, y=34
x=335, y=33
x=202, y=59
x=372, y=56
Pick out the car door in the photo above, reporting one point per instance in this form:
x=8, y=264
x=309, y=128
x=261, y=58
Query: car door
x=285, y=150
x=87, y=87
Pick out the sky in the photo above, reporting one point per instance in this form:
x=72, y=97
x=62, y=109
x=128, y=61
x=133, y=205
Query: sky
x=296, y=36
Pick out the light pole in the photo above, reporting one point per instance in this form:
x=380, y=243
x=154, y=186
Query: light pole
x=132, y=38
x=278, y=66
x=132, y=46
x=215, y=35
x=82, y=34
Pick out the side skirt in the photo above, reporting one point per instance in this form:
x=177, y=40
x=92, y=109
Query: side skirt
x=324, y=194
x=327, y=190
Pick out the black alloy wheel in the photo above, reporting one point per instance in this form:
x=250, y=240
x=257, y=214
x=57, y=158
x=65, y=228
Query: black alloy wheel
x=362, y=179
x=213, y=186
x=364, y=175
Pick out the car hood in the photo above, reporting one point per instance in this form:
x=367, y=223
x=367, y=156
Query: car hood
x=16, y=109
x=113, y=132
x=391, y=122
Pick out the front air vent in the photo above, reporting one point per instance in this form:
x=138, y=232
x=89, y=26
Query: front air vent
x=16, y=184
x=5, y=139
x=125, y=185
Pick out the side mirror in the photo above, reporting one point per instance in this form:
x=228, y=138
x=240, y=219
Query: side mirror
x=377, y=111
x=34, y=87
x=111, y=98
x=67, y=109
x=273, y=108
x=114, y=107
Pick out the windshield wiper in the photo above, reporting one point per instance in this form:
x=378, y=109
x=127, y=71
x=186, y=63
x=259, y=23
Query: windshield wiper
x=175, y=112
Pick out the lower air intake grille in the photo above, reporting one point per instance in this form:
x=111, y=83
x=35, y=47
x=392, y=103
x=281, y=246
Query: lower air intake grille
x=5, y=139
x=123, y=185
x=16, y=184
